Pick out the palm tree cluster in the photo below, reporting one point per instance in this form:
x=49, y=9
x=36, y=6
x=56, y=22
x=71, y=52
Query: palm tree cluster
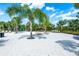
x=18, y=12
x=69, y=26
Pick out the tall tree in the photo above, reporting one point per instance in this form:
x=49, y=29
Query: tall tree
x=32, y=14
x=42, y=17
x=13, y=12
x=25, y=12
x=17, y=22
x=60, y=25
x=2, y=26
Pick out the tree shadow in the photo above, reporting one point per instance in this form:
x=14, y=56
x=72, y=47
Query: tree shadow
x=3, y=37
x=37, y=35
x=69, y=45
x=76, y=37
x=23, y=36
x=46, y=33
x=2, y=42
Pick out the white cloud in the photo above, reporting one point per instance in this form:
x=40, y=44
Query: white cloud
x=69, y=18
x=52, y=15
x=61, y=12
x=50, y=8
x=25, y=3
x=55, y=21
x=64, y=14
x=1, y=12
x=75, y=11
x=68, y=14
x=72, y=11
x=35, y=5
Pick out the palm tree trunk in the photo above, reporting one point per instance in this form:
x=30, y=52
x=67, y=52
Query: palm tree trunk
x=1, y=29
x=31, y=37
x=16, y=28
x=45, y=29
x=30, y=29
x=8, y=29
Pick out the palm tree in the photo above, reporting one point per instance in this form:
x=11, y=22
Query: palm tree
x=22, y=27
x=74, y=25
x=42, y=17
x=17, y=22
x=60, y=25
x=45, y=24
x=1, y=26
x=25, y=12
x=13, y=12
x=9, y=26
x=31, y=14
x=22, y=11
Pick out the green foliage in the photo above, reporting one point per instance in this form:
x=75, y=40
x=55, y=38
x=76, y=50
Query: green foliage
x=71, y=26
x=22, y=27
x=13, y=10
x=61, y=24
x=18, y=12
x=70, y=32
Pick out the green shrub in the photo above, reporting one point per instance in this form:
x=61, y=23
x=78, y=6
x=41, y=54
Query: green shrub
x=74, y=33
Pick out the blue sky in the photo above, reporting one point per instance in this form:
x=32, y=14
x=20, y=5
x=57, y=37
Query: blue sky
x=55, y=11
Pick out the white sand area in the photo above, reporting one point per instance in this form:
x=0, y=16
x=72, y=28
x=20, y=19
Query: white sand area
x=44, y=44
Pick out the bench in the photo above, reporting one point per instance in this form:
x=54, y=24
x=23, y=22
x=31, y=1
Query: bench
x=1, y=34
